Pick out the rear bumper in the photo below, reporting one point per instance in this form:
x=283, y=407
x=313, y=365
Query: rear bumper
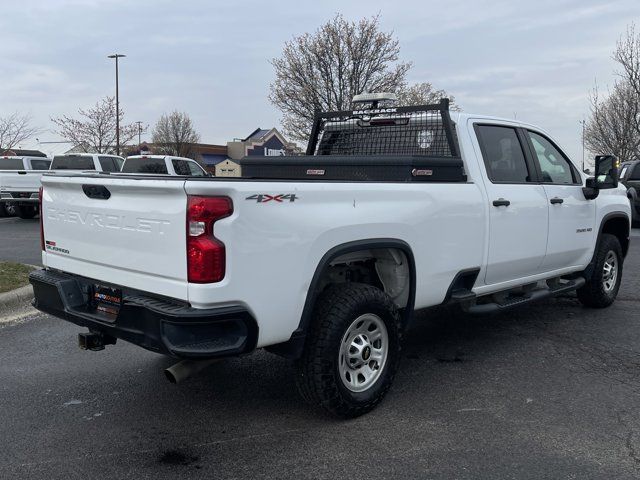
x=19, y=197
x=160, y=325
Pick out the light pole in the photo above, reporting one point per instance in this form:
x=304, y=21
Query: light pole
x=117, y=56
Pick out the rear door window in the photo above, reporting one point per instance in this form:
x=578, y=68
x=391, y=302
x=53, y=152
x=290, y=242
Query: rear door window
x=503, y=154
x=635, y=175
x=196, y=170
x=73, y=162
x=109, y=164
x=181, y=167
x=40, y=164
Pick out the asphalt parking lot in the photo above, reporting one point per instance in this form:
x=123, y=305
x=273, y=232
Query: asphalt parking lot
x=548, y=391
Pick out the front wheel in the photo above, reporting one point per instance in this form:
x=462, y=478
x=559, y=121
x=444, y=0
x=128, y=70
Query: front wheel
x=352, y=351
x=603, y=284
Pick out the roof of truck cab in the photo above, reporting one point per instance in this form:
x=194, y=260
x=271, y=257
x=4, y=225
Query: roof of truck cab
x=460, y=117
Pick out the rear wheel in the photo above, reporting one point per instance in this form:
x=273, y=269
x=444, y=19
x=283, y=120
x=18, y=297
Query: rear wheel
x=353, y=350
x=10, y=209
x=26, y=212
x=603, y=283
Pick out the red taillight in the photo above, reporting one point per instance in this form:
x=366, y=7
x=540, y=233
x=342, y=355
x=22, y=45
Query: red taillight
x=206, y=257
x=41, y=221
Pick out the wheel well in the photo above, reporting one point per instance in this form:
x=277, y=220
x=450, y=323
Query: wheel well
x=618, y=226
x=385, y=268
x=385, y=263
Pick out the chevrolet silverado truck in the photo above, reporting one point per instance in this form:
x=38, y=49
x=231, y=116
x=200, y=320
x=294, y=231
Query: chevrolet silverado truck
x=19, y=184
x=324, y=257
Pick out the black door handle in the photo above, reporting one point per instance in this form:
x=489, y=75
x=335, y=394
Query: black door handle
x=555, y=200
x=501, y=202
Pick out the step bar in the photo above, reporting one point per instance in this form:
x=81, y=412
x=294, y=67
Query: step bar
x=531, y=296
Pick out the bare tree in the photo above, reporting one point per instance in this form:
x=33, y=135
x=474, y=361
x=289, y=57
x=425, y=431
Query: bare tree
x=324, y=70
x=627, y=55
x=95, y=128
x=15, y=129
x=174, y=134
x=614, y=123
x=612, y=126
x=423, y=94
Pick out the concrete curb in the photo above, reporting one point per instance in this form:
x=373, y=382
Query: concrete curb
x=15, y=298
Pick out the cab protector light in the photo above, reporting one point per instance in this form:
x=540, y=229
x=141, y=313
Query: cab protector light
x=206, y=257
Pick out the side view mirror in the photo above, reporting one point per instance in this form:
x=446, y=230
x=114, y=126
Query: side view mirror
x=606, y=172
x=606, y=176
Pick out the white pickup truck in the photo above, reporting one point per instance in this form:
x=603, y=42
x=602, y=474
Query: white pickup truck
x=19, y=184
x=323, y=258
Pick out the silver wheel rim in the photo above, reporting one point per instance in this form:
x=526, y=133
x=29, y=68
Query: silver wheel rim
x=610, y=271
x=363, y=352
x=10, y=209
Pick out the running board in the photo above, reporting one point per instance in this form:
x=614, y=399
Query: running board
x=531, y=296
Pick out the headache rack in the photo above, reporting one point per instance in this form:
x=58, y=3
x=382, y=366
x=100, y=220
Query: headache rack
x=415, y=130
x=415, y=143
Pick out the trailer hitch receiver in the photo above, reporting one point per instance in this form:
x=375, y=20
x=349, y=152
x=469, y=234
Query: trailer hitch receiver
x=95, y=341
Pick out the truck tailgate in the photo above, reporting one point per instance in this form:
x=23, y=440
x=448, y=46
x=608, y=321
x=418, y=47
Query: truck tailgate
x=23, y=181
x=122, y=231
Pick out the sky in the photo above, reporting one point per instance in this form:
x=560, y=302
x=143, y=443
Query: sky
x=536, y=61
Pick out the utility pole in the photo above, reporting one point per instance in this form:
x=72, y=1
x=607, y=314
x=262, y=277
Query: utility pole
x=582, y=122
x=117, y=56
x=139, y=132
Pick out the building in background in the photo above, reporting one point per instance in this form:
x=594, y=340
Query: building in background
x=227, y=168
x=261, y=142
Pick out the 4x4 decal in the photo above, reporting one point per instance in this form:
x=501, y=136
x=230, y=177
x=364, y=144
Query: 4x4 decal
x=264, y=198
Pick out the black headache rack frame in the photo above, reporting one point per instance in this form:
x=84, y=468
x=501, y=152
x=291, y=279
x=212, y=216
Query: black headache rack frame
x=416, y=143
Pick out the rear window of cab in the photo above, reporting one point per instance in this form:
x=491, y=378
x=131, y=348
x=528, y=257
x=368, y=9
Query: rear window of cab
x=72, y=162
x=11, y=164
x=145, y=165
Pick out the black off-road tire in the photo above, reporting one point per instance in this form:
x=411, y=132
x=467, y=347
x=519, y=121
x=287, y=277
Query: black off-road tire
x=593, y=293
x=318, y=376
x=10, y=209
x=26, y=212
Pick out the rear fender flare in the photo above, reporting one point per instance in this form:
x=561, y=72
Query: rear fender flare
x=294, y=346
